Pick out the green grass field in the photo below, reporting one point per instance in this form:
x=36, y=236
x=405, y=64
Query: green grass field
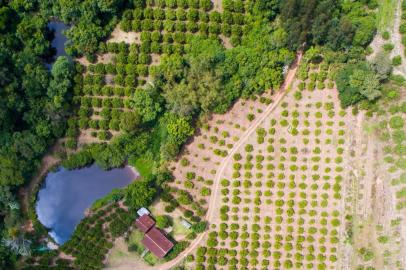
x=385, y=15
x=178, y=228
x=134, y=241
x=144, y=166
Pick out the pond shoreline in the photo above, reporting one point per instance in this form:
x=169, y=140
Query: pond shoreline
x=65, y=196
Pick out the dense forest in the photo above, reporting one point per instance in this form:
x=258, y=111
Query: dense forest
x=39, y=105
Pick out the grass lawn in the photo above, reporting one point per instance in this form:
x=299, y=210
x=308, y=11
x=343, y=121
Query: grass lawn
x=134, y=241
x=386, y=14
x=151, y=259
x=144, y=166
x=178, y=228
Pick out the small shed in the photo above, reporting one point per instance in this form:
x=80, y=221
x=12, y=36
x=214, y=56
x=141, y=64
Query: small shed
x=144, y=223
x=156, y=242
x=143, y=211
x=186, y=224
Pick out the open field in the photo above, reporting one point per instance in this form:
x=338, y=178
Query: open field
x=386, y=14
x=374, y=201
x=390, y=21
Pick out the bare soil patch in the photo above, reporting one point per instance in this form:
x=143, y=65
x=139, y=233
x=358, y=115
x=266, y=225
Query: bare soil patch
x=217, y=5
x=119, y=35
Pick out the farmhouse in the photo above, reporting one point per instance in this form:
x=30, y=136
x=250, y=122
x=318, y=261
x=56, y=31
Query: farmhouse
x=154, y=240
x=144, y=223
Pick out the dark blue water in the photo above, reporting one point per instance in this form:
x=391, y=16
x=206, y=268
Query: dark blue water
x=59, y=39
x=67, y=194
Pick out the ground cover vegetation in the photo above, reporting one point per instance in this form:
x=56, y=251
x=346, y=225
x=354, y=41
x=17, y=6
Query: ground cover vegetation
x=375, y=176
x=402, y=28
x=148, y=98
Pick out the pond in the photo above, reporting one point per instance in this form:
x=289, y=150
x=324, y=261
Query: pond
x=59, y=40
x=66, y=195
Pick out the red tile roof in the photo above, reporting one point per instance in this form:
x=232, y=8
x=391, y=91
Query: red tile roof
x=156, y=242
x=144, y=223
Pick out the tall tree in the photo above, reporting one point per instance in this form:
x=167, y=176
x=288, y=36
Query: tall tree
x=62, y=81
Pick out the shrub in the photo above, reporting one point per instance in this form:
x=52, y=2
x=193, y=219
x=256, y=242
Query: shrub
x=298, y=95
x=402, y=28
x=250, y=117
x=163, y=221
x=397, y=61
x=388, y=47
x=396, y=122
x=188, y=184
x=70, y=143
x=104, y=135
x=205, y=191
x=190, y=175
x=249, y=148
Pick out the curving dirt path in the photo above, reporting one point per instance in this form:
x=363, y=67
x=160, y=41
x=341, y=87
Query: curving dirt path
x=213, y=199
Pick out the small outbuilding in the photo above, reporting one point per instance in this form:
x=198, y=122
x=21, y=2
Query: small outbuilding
x=144, y=223
x=143, y=211
x=186, y=224
x=156, y=242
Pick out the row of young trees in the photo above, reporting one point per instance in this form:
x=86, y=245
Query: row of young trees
x=299, y=230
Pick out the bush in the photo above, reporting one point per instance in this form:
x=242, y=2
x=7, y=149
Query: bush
x=163, y=222
x=402, y=28
x=250, y=117
x=103, y=135
x=298, y=95
x=397, y=61
x=396, y=122
x=388, y=47
x=205, y=191
x=199, y=227
x=70, y=143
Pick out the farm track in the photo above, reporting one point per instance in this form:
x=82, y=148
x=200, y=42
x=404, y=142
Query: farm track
x=247, y=134
x=395, y=39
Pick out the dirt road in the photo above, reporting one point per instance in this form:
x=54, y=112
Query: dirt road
x=395, y=39
x=247, y=134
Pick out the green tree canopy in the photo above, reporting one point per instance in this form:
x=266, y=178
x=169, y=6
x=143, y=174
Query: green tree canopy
x=147, y=103
x=61, y=82
x=139, y=194
x=356, y=82
x=179, y=129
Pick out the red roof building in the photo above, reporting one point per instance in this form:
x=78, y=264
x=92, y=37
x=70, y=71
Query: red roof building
x=144, y=223
x=156, y=242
